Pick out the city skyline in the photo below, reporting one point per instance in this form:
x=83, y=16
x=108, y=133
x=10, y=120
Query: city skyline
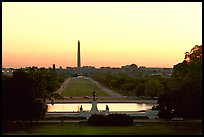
x=111, y=34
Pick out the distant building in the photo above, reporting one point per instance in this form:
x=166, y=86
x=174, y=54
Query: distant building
x=130, y=70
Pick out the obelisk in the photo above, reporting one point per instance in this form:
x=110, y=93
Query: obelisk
x=78, y=60
x=78, y=56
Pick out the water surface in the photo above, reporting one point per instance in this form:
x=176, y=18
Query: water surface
x=75, y=107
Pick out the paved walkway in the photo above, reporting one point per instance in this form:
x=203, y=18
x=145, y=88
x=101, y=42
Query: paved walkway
x=109, y=91
x=64, y=84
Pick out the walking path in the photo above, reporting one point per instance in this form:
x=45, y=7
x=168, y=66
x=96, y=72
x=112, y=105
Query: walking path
x=110, y=92
x=64, y=84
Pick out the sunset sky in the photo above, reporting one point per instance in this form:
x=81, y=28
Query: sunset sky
x=111, y=33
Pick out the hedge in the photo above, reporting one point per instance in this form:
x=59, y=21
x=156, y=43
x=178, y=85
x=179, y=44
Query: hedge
x=110, y=120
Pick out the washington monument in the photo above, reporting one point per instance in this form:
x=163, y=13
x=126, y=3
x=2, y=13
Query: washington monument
x=78, y=60
x=78, y=56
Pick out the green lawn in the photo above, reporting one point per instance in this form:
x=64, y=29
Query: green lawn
x=84, y=129
x=82, y=87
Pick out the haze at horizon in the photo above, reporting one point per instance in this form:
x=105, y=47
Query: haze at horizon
x=111, y=34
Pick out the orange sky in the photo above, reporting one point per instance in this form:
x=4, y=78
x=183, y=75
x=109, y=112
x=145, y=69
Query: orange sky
x=111, y=33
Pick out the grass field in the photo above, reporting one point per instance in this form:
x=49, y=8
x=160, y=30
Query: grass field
x=84, y=129
x=82, y=87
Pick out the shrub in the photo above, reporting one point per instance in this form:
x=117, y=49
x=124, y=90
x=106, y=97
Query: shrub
x=110, y=120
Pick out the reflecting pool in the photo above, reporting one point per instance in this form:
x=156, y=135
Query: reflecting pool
x=75, y=107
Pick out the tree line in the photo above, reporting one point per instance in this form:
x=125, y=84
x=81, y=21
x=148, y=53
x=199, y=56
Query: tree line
x=148, y=86
x=24, y=94
x=184, y=95
x=178, y=95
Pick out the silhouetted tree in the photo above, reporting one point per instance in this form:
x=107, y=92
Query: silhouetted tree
x=25, y=92
x=18, y=94
x=39, y=109
x=185, y=87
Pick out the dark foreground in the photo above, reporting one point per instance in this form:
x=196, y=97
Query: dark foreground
x=82, y=128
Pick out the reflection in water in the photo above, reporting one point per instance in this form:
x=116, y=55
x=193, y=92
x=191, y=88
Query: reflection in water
x=75, y=107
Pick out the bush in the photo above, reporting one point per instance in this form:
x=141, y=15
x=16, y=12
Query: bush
x=110, y=120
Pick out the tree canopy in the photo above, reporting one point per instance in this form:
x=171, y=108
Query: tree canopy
x=24, y=93
x=153, y=88
x=184, y=97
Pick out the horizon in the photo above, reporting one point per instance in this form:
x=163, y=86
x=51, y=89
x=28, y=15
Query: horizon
x=57, y=67
x=111, y=34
